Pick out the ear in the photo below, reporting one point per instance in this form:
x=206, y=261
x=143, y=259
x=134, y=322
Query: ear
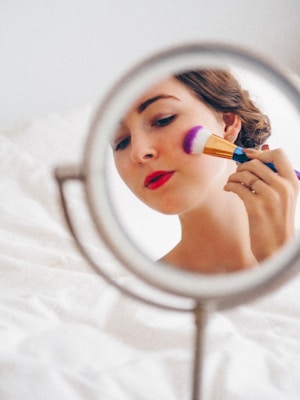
x=233, y=125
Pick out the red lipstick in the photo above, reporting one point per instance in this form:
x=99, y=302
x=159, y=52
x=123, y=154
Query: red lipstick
x=157, y=178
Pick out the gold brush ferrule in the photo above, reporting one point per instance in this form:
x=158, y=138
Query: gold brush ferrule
x=219, y=147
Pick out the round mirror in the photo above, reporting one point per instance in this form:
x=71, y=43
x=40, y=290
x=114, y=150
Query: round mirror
x=197, y=238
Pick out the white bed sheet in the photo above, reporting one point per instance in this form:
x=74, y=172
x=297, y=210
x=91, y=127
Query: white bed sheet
x=66, y=334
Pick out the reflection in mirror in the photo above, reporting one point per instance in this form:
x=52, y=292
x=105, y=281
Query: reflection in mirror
x=207, y=214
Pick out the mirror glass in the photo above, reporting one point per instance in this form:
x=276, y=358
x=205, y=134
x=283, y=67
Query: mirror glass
x=141, y=235
x=154, y=232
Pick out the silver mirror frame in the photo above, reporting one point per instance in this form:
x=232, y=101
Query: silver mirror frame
x=223, y=290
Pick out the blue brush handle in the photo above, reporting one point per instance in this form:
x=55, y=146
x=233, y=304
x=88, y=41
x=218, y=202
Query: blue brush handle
x=240, y=156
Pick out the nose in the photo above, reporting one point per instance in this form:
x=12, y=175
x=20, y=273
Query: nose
x=142, y=150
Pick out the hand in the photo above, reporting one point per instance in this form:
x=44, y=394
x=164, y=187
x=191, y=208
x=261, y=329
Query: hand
x=270, y=199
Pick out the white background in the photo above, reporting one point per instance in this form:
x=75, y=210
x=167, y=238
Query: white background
x=56, y=55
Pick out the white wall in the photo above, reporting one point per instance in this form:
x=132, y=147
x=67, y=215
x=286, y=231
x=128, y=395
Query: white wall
x=56, y=55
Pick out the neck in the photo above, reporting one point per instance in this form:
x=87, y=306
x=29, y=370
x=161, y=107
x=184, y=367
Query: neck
x=219, y=242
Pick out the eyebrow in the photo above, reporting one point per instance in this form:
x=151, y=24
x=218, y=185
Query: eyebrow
x=142, y=107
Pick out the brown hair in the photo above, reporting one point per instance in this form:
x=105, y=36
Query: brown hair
x=220, y=90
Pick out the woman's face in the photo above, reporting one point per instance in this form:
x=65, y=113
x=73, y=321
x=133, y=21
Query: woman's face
x=149, y=155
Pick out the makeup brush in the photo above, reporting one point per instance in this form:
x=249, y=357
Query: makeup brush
x=200, y=140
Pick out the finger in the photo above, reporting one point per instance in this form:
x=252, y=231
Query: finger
x=246, y=195
x=265, y=147
x=259, y=170
x=276, y=157
x=248, y=180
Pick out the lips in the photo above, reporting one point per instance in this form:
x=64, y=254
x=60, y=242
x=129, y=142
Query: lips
x=157, y=178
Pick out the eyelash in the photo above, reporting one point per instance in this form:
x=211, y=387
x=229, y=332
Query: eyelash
x=158, y=123
x=123, y=144
x=161, y=122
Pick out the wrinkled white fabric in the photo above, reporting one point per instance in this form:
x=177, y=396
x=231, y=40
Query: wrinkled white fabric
x=66, y=334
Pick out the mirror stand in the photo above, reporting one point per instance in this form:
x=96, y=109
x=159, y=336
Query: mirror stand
x=199, y=310
x=199, y=294
x=200, y=318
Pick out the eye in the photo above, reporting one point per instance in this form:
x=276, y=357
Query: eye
x=122, y=144
x=161, y=122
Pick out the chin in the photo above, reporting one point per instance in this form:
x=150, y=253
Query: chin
x=169, y=208
x=163, y=210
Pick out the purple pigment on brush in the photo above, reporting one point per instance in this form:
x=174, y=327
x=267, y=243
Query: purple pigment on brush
x=189, y=138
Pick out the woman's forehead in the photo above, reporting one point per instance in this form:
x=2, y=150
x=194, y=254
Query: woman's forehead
x=167, y=88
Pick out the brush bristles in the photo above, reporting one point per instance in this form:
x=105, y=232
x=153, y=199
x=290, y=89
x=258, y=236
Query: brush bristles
x=195, y=139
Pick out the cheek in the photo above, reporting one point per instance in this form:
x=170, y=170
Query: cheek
x=122, y=168
x=129, y=174
x=206, y=172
